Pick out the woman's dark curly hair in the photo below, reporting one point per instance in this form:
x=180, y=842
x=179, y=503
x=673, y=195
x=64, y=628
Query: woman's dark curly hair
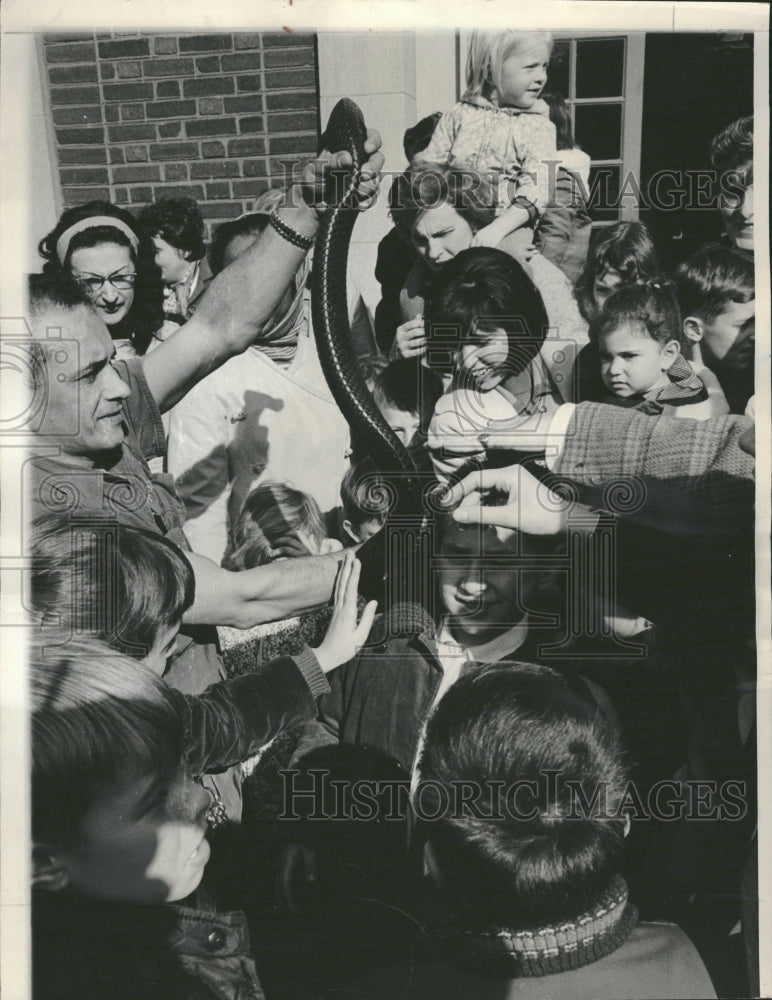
x=146, y=315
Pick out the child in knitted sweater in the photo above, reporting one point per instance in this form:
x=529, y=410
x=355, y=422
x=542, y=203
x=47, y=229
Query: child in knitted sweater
x=501, y=129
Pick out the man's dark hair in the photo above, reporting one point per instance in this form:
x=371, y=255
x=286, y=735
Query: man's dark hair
x=179, y=222
x=712, y=279
x=509, y=723
x=418, y=136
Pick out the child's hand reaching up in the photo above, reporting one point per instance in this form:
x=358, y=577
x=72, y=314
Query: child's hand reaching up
x=344, y=637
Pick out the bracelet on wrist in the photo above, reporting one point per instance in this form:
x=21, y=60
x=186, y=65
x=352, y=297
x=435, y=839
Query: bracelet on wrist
x=289, y=234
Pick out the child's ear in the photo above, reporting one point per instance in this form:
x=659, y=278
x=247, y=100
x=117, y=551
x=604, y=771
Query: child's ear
x=670, y=352
x=693, y=329
x=48, y=871
x=349, y=529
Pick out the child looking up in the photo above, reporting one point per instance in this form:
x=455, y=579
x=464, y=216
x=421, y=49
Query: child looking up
x=717, y=294
x=500, y=129
x=638, y=333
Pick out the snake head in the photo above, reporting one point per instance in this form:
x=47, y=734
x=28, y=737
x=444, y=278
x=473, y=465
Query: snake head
x=345, y=132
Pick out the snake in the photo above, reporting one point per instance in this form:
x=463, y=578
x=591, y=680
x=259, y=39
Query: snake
x=329, y=310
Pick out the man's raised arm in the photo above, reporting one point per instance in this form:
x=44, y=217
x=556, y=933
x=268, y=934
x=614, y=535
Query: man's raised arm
x=243, y=296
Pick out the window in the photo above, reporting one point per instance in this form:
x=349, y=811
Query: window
x=601, y=79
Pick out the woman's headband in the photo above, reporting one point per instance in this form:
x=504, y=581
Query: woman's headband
x=92, y=222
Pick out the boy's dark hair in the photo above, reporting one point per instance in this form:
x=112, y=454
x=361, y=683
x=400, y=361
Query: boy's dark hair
x=479, y=290
x=428, y=185
x=99, y=721
x=652, y=304
x=712, y=279
x=113, y=582
x=732, y=149
x=418, y=136
x=365, y=494
x=179, y=222
x=271, y=511
x=510, y=723
x=410, y=387
x=252, y=224
x=146, y=315
x=626, y=247
x=560, y=116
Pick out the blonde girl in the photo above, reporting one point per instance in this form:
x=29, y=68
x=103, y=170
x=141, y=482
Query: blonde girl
x=502, y=130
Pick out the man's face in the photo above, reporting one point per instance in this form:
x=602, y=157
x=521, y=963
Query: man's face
x=82, y=384
x=735, y=326
x=737, y=215
x=143, y=842
x=480, y=586
x=174, y=266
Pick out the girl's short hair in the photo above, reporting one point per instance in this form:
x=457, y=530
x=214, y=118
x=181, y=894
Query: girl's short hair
x=99, y=721
x=179, y=222
x=429, y=185
x=503, y=724
x=712, y=279
x=653, y=305
x=252, y=224
x=481, y=289
x=113, y=582
x=146, y=316
x=270, y=512
x=487, y=53
x=410, y=387
x=625, y=247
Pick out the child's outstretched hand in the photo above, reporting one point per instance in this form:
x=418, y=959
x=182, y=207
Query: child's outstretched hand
x=344, y=637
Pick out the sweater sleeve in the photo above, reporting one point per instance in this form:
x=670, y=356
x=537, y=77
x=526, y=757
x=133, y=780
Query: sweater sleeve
x=685, y=475
x=232, y=720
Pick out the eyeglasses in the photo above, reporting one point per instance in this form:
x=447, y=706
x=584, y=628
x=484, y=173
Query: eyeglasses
x=95, y=283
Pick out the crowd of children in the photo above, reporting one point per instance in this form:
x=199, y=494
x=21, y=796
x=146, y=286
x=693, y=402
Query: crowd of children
x=575, y=624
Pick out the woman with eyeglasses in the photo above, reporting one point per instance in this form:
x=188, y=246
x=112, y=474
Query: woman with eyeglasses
x=101, y=247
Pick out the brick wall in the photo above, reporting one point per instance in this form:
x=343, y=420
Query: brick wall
x=214, y=116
